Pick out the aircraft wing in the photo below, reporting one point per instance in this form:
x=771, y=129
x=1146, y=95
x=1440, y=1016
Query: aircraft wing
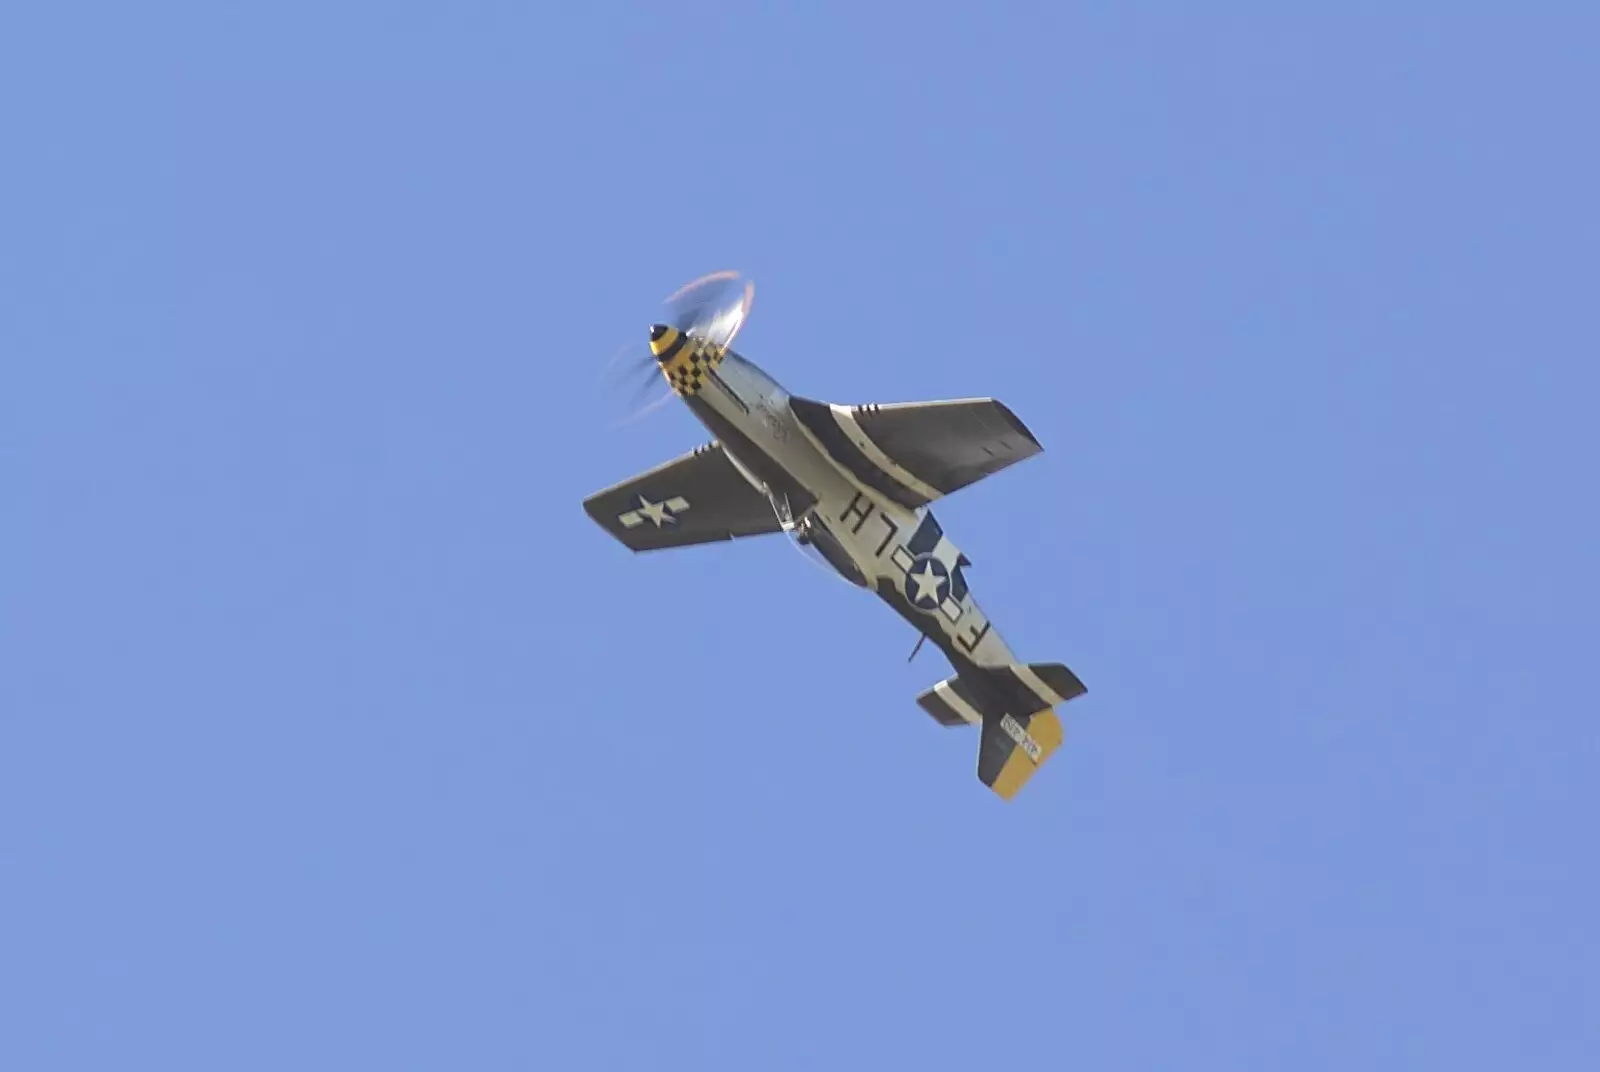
x=916, y=452
x=698, y=498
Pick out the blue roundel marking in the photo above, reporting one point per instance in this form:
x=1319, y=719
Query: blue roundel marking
x=927, y=582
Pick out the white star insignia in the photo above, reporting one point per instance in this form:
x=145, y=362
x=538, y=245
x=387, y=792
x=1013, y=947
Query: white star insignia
x=656, y=512
x=660, y=513
x=927, y=582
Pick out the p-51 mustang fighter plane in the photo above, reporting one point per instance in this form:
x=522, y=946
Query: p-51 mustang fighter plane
x=851, y=484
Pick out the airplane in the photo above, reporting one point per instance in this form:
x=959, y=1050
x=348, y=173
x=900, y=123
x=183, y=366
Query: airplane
x=851, y=484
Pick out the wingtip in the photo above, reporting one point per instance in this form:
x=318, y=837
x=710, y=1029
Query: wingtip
x=1017, y=424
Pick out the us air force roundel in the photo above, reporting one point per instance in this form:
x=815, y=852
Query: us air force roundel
x=927, y=582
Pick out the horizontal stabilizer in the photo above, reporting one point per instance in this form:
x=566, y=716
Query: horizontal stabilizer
x=954, y=702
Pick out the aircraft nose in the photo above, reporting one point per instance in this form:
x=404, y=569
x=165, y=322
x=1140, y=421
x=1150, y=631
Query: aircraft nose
x=664, y=341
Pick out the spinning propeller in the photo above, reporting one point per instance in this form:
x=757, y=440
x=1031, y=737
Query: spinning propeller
x=709, y=312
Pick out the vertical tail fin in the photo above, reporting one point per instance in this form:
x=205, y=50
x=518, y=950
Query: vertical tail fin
x=1013, y=707
x=1013, y=748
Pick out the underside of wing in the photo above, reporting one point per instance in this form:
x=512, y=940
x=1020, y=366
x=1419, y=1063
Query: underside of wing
x=698, y=498
x=916, y=452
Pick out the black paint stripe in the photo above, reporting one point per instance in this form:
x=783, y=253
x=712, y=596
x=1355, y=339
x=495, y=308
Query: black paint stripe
x=817, y=417
x=1022, y=701
x=672, y=350
x=860, y=508
x=927, y=536
x=894, y=530
x=974, y=636
x=938, y=481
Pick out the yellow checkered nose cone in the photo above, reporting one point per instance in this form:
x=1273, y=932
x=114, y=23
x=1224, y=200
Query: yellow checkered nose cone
x=686, y=361
x=664, y=341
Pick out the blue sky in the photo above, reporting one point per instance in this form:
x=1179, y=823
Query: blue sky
x=333, y=734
